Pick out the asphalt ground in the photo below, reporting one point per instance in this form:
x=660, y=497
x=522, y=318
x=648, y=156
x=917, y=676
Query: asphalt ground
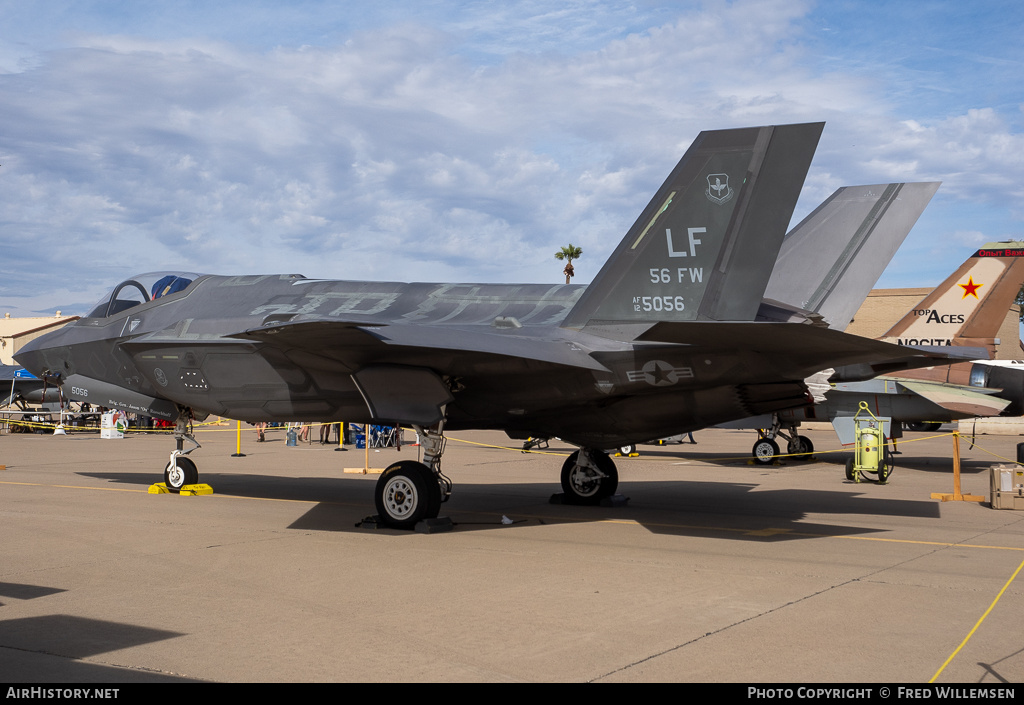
x=716, y=570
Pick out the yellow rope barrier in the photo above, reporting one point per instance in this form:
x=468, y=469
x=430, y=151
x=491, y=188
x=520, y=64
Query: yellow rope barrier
x=902, y=442
x=228, y=429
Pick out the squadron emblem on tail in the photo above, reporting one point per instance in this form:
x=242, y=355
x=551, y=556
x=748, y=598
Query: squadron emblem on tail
x=719, y=190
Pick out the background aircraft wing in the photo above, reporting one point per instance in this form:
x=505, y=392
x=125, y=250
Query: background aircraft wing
x=959, y=399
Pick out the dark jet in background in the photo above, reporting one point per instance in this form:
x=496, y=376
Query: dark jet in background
x=671, y=335
x=20, y=387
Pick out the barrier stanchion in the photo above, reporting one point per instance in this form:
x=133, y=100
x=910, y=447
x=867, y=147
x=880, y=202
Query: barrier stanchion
x=957, y=495
x=238, y=441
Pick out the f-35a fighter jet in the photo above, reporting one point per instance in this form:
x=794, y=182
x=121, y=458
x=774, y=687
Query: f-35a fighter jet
x=671, y=335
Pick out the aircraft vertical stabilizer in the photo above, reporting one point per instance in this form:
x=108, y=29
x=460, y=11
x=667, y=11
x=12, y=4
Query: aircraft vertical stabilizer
x=831, y=260
x=968, y=307
x=703, y=248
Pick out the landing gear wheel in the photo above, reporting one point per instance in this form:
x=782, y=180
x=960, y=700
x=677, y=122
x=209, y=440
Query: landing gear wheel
x=582, y=485
x=800, y=447
x=851, y=474
x=407, y=492
x=764, y=451
x=627, y=449
x=183, y=472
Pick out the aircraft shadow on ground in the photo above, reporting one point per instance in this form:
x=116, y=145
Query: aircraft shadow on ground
x=679, y=507
x=50, y=647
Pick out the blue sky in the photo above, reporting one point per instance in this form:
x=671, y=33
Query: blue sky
x=467, y=141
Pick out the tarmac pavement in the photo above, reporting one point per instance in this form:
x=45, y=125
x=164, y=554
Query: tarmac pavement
x=717, y=570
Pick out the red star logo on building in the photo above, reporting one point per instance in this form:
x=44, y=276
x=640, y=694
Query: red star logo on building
x=970, y=288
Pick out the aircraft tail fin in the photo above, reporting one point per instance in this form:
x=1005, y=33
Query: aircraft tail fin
x=970, y=305
x=704, y=247
x=831, y=260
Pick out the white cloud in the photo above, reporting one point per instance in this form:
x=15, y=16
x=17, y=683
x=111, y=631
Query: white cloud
x=409, y=149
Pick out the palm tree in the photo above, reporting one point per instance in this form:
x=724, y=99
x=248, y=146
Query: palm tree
x=569, y=252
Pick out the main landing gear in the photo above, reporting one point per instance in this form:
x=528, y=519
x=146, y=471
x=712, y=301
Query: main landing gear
x=409, y=492
x=765, y=449
x=180, y=470
x=588, y=476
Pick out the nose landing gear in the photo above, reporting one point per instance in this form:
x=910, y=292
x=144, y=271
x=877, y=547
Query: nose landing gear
x=180, y=470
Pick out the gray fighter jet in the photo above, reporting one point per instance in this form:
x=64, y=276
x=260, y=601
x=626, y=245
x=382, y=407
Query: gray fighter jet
x=671, y=335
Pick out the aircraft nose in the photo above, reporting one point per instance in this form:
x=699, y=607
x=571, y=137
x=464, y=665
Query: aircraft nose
x=41, y=358
x=30, y=357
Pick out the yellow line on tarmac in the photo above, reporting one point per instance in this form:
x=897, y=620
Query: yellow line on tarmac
x=146, y=492
x=922, y=543
x=72, y=487
x=978, y=624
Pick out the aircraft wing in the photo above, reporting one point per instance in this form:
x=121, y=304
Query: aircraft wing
x=962, y=400
x=324, y=337
x=395, y=367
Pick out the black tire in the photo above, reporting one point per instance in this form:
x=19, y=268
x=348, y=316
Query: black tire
x=885, y=467
x=406, y=493
x=850, y=474
x=184, y=472
x=764, y=451
x=800, y=447
x=627, y=449
x=930, y=426
x=582, y=486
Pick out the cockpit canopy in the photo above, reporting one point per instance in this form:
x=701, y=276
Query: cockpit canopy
x=142, y=289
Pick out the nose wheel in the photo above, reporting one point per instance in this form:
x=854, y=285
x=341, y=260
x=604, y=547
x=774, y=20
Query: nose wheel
x=180, y=472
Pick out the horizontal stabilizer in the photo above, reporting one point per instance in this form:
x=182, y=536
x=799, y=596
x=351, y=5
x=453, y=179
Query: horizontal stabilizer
x=795, y=346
